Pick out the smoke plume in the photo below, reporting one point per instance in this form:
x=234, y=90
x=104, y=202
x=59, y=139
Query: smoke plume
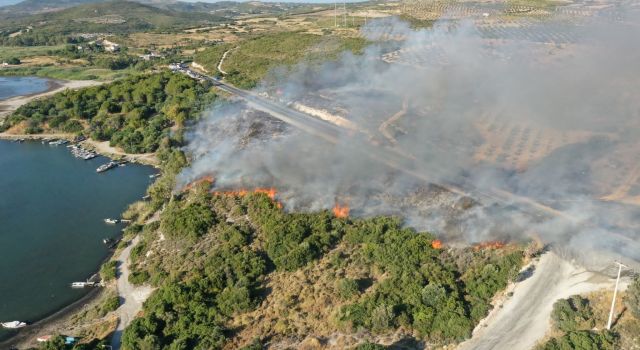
x=541, y=138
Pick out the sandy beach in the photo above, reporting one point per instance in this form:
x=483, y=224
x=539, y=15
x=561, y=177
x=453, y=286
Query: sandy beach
x=9, y=105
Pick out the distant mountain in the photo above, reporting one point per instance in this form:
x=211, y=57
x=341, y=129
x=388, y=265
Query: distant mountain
x=30, y=7
x=221, y=8
x=105, y=16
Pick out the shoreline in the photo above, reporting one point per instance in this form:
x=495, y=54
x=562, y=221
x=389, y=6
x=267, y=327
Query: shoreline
x=101, y=148
x=51, y=321
x=56, y=319
x=10, y=105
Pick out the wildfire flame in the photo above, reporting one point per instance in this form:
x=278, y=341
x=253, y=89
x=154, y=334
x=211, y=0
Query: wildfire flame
x=207, y=178
x=270, y=192
x=341, y=211
x=436, y=244
x=489, y=245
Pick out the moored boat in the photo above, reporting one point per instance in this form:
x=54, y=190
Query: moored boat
x=13, y=324
x=82, y=284
x=105, y=167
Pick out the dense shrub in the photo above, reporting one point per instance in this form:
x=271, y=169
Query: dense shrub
x=347, y=288
x=108, y=270
x=134, y=113
x=190, y=221
x=632, y=298
x=572, y=314
x=582, y=340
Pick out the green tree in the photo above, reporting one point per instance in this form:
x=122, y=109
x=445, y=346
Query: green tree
x=632, y=297
x=572, y=314
x=190, y=221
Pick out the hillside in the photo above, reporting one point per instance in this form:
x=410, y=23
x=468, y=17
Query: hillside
x=221, y=8
x=116, y=17
x=28, y=7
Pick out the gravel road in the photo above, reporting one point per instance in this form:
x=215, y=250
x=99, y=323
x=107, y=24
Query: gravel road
x=131, y=297
x=524, y=318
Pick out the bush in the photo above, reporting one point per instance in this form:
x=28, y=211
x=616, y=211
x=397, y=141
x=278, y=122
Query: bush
x=138, y=277
x=189, y=222
x=347, y=288
x=110, y=304
x=572, y=314
x=632, y=298
x=582, y=340
x=108, y=270
x=14, y=61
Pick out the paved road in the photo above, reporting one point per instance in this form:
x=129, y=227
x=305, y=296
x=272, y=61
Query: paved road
x=524, y=319
x=131, y=297
x=409, y=165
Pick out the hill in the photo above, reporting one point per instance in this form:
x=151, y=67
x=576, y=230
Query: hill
x=31, y=7
x=221, y=8
x=116, y=17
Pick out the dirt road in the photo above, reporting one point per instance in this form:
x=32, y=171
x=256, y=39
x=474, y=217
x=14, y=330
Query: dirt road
x=524, y=318
x=131, y=297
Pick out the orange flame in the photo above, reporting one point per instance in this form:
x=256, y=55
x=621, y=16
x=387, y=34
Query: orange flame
x=207, y=178
x=341, y=211
x=489, y=245
x=436, y=244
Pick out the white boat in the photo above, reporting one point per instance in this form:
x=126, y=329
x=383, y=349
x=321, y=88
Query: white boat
x=82, y=284
x=105, y=167
x=13, y=324
x=111, y=221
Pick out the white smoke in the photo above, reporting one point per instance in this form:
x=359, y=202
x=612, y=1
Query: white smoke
x=457, y=85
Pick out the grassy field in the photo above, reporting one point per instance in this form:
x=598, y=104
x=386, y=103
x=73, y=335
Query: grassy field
x=249, y=61
x=67, y=73
x=20, y=52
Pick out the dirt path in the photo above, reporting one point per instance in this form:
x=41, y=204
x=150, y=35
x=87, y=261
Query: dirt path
x=384, y=127
x=524, y=319
x=131, y=297
x=224, y=55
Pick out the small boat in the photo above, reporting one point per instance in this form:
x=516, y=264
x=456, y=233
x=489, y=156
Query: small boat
x=82, y=284
x=111, y=221
x=13, y=324
x=58, y=142
x=105, y=167
x=107, y=240
x=153, y=176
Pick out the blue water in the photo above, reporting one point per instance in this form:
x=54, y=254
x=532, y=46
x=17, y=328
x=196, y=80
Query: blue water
x=52, y=207
x=17, y=86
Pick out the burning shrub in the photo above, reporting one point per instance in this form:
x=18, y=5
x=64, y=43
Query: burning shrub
x=293, y=240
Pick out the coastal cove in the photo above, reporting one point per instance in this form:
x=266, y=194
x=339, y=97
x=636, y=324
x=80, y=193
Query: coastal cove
x=51, y=213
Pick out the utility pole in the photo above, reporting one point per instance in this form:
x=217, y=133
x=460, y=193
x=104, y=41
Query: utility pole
x=335, y=13
x=344, y=8
x=615, y=293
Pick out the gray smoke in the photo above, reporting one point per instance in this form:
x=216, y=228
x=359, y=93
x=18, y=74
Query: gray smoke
x=555, y=123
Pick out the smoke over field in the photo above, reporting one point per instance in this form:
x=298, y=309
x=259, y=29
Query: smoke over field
x=541, y=139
